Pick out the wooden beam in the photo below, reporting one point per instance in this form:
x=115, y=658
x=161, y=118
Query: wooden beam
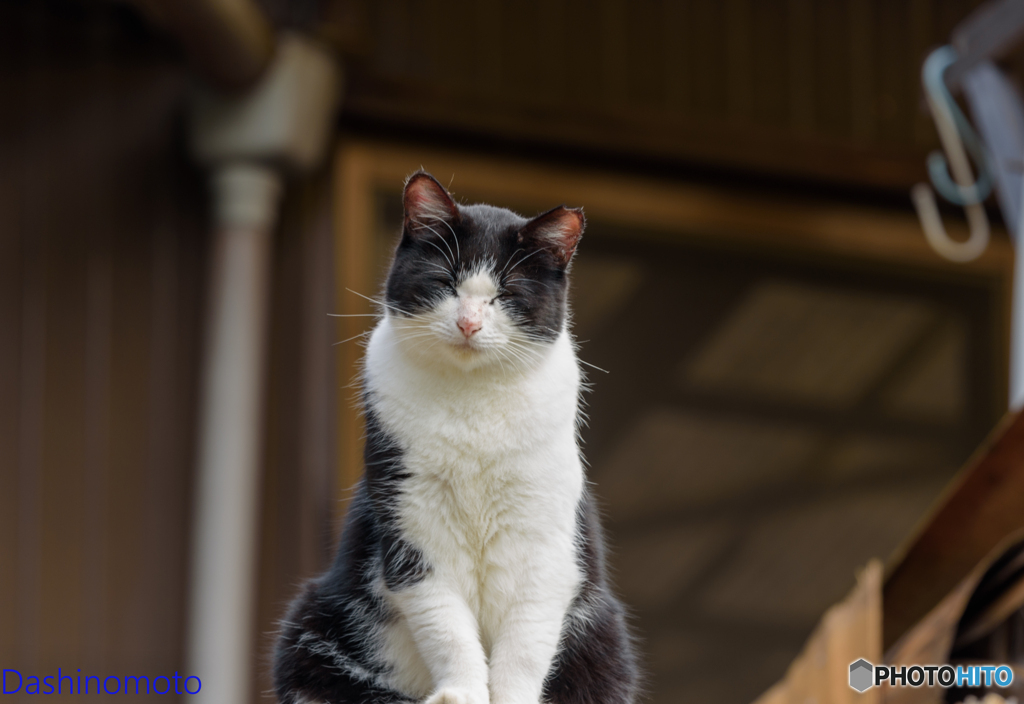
x=673, y=207
x=978, y=510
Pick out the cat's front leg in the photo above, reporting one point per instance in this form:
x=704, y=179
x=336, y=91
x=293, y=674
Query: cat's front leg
x=447, y=636
x=526, y=644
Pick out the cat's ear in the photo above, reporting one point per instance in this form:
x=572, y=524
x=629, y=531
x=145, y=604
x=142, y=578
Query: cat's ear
x=558, y=231
x=426, y=201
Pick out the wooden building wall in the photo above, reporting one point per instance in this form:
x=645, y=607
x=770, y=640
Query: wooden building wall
x=822, y=90
x=102, y=232
x=103, y=242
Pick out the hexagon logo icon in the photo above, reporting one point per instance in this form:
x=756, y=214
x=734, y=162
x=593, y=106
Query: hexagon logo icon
x=860, y=675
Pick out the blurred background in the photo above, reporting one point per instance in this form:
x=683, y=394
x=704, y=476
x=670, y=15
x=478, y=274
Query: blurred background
x=785, y=376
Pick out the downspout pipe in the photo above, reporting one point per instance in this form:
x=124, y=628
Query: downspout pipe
x=226, y=523
x=250, y=143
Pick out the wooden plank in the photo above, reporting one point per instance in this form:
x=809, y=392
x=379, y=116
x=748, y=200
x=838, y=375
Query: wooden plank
x=863, y=51
x=848, y=631
x=32, y=373
x=319, y=380
x=979, y=509
x=800, y=49
x=169, y=413
x=61, y=479
x=353, y=251
x=702, y=212
x=11, y=266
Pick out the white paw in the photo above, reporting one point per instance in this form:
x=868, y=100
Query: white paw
x=456, y=695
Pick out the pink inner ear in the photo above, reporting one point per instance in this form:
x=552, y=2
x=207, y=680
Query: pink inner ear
x=426, y=199
x=561, y=229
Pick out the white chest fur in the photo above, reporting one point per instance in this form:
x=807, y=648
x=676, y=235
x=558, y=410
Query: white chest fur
x=494, y=473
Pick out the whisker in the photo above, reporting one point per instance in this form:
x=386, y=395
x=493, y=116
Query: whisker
x=530, y=349
x=503, y=370
x=380, y=303
x=404, y=324
x=442, y=270
x=517, y=356
x=509, y=260
x=450, y=262
x=521, y=352
x=505, y=354
x=349, y=339
x=434, y=245
x=536, y=251
x=454, y=236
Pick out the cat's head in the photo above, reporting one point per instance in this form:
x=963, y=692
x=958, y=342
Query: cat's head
x=474, y=284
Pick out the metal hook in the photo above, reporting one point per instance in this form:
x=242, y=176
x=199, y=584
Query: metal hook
x=935, y=233
x=956, y=134
x=958, y=138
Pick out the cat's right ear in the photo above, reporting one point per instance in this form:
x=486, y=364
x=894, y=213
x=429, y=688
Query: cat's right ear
x=426, y=201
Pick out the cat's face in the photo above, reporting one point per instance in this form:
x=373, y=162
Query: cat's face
x=474, y=285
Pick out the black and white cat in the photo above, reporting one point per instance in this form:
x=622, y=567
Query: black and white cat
x=471, y=565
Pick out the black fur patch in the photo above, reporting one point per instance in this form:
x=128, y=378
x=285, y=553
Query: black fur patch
x=403, y=563
x=596, y=661
x=324, y=652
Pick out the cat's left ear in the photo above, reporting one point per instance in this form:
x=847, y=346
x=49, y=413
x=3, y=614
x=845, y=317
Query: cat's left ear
x=425, y=200
x=558, y=231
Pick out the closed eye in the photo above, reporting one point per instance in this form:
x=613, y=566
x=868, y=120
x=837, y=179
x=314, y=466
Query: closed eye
x=446, y=284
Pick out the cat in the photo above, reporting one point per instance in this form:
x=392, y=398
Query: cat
x=471, y=567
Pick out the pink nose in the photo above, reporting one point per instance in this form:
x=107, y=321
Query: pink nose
x=469, y=326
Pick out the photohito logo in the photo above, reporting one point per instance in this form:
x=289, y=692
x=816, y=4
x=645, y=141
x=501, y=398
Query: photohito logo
x=860, y=675
x=864, y=675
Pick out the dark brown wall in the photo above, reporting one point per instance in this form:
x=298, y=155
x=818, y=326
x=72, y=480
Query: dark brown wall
x=101, y=271
x=806, y=89
x=103, y=237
